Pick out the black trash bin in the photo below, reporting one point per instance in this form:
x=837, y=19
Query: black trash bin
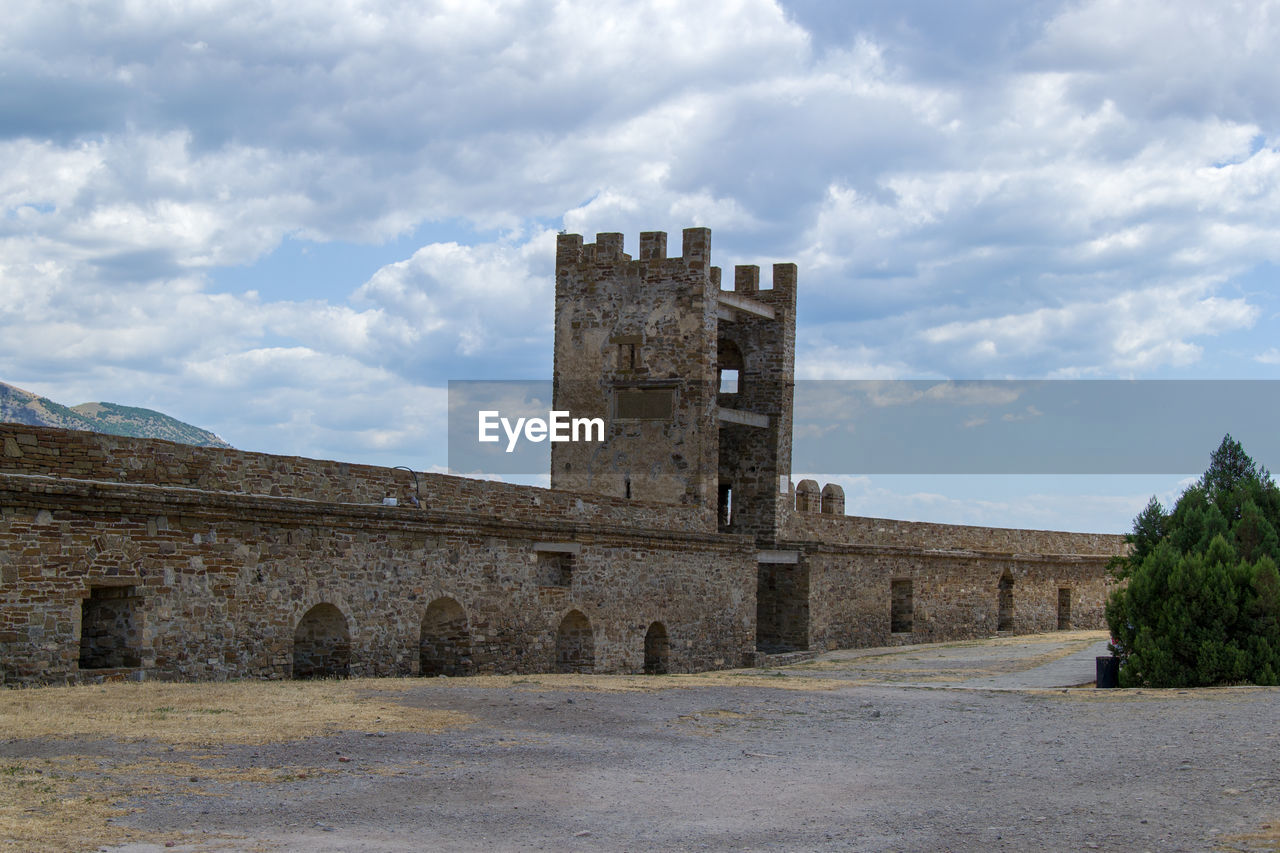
x=1109, y=671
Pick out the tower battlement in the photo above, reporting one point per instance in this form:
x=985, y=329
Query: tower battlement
x=609, y=249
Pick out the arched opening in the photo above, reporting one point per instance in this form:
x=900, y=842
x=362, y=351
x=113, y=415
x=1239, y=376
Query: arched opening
x=575, y=645
x=657, y=650
x=1005, y=612
x=322, y=644
x=444, y=646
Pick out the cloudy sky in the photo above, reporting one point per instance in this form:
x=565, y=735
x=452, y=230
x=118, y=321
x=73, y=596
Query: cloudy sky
x=293, y=225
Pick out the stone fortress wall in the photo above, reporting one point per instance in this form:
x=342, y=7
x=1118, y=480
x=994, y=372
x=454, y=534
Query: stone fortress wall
x=679, y=544
x=876, y=581
x=219, y=574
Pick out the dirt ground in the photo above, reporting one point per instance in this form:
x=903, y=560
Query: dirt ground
x=881, y=749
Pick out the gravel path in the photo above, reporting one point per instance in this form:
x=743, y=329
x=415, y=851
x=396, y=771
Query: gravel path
x=867, y=766
x=1072, y=670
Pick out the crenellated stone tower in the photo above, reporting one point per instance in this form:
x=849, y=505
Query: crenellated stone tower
x=695, y=383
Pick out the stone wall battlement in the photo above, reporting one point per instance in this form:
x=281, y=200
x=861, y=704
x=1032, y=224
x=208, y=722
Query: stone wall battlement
x=54, y=494
x=861, y=530
x=93, y=456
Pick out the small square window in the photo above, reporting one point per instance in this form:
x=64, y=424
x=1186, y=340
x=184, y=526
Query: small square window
x=555, y=568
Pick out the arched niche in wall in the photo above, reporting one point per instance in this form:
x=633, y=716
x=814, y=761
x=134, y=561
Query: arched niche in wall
x=444, y=644
x=322, y=644
x=575, y=644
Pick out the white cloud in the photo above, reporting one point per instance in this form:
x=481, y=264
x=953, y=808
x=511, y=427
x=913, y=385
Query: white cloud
x=1132, y=332
x=344, y=367
x=1026, y=414
x=1161, y=58
x=1069, y=503
x=834, y=361
x=481, y=298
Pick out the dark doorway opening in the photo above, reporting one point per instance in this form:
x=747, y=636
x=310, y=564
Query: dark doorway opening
x=110, y=628
x=902, y=607
x=1005, y=608
x=657, y=650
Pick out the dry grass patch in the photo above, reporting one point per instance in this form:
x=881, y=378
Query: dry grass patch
x=67, y=803
x=1080, y=639
x=1085, y=637
x=948, y=662
x=229, y=712
x=712, y=721
x=1267, y=837
x=640, y=683
x=39, y=811
x=1217, y=695
x=63, y=804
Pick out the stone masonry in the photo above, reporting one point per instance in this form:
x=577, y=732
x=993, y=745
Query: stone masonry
x=677, y=544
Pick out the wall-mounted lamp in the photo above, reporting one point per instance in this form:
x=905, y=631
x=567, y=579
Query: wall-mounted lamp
x=417, y=495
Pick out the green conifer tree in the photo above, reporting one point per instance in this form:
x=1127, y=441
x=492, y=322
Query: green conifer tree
x=1200, y=603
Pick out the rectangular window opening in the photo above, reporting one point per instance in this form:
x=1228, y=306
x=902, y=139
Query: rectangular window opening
x=728, y=381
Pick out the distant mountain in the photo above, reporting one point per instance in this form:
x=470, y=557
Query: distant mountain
x=23, y=407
